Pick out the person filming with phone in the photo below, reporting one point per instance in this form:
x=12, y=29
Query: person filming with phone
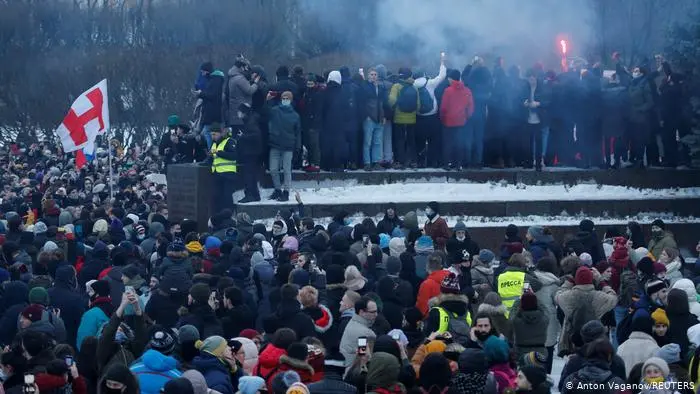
x=360, y=326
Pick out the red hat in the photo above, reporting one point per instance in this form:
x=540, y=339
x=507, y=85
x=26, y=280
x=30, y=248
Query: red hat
x=528, y=301
x=584, y=276
x=249, y=333
x=658, y=268
x=450, y=285
x=33, y=312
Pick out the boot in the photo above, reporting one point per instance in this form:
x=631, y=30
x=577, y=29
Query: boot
x=248, y=199
x=276, y=194
x=284, y=196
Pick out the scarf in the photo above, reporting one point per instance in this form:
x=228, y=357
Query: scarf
x=466, y=383
x=104, y=303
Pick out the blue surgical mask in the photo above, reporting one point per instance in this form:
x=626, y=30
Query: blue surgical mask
x=120, y=337
x=346, y=221
x=286, y=102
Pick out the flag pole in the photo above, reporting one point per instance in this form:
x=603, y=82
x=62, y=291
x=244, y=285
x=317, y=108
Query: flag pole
x=111, y=176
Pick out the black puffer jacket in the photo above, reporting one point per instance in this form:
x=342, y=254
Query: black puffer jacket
x=212, y=98
x=289, y=315
x=64, y=295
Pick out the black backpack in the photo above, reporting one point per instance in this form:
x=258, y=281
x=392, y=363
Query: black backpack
x=407, y=101
x=426, y=102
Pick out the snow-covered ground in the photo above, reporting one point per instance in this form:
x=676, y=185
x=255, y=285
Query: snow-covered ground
x=473, y=192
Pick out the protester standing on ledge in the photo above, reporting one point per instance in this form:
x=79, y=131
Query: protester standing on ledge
x=223, y=166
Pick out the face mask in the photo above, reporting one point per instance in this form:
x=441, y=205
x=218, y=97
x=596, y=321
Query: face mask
x=428, y=212
x=636, y=75
x=657, y=380
x=286, y=102
x=346, y=222
x=241, y=115
x=461, y=237
x=141, y=237
x=120, y=337
x=107, y=390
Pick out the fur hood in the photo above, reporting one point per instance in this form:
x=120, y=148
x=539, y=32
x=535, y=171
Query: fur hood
x=492, y=310
x=452, y=297
x=296, y=364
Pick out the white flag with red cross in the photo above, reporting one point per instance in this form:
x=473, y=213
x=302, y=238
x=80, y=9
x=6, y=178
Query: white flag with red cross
x=87, y=118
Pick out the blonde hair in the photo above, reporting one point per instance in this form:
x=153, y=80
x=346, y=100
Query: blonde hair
x=308, y=296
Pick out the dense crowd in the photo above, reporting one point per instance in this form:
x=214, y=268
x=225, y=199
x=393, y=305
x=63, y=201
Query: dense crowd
x=460, y=118
x=104, y=294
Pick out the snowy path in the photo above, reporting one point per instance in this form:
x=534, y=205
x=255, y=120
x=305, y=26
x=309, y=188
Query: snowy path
x=471, y=192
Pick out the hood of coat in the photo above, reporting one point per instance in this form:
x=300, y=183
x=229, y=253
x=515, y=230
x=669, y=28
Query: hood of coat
x=492, y=310
x=299, y=365
x=532, y=317
x=157, y=361
x=321, y=316
x=689, y=288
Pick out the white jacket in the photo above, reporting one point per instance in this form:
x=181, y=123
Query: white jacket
x=637, y=349
x=430, y=85
x=689, y=288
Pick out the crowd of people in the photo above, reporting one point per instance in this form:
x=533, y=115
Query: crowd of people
x=459, y=118
x=103, y=294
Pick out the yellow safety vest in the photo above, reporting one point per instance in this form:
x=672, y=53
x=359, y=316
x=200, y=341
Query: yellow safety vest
x=445, y=318
x=221, y=165
x=510, y=288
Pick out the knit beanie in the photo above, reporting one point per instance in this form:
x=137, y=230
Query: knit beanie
x=592, y=330
x=643, y=324
x=659, y=223
x=450, y=284
x=162, y=340
x=188, y=333
x=250, y=384
x=298, y=388
x=39, y=295
x=200, y=293
x=534, y=359
x=178, y=386
x=658, y=268
x=101, y=288
x=283, y=380
x=199, y=383
x=586, y=259
x=536, y=376
x=586, y=225
x=584, y=276
x=496, y=349
x=214, y=345
x=435, y=346
x=671, y=353
x=536, y=232
x=33, y=312
x=660, y=317
x=472, y=360
x=528, y=301
x=654, y=286
x=291, y=243
x=659, y=363
x=512, y=231
x=486, y=256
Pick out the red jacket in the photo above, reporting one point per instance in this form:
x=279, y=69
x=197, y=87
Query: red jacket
x=269, y=360
x=304, y=369
x=429, y=288
x=47, y=383
x=438, y=231
x=457, y=105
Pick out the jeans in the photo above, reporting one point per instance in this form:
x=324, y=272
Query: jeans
x=388, y=155
x=206, y=132
x=620, y=313
x=283, y=159
x=538, y=143
x=372, y=142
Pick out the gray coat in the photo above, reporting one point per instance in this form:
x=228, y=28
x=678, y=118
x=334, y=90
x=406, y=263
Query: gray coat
x=238, y=91
x=568, y=296
x=545, y=299
x=356, y=328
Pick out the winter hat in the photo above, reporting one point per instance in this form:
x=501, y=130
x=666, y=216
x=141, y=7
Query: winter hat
x=586, y=259
x=658, y=268
x=435, y=206
x=250, y=384
x=40, y=228
x=300, y=277
x=472, y=360
x=188, y=333
x=536, y=232
x=512, y=231
x=454, y=74
x=671, y=353
x=397, y=246
x=492, y=298
x=638, y=255
x=249, y=333
x=528, y=301
x=646, y=266
x=450, y=284
x=39, y=295
x=49, y=246
x=405, y=73
x=460, y=226
x=435, y=346
x=384, y=240
x=178, y=386
x=586, y=225
x=393, y=265
x=177, y=245
x=486, y=256
x=354, y=279
x=536, y=376
x=496, y=350
x=659, y=223
x=534, y=359
x=424, y=242
x=298, y=388
x=654, y=286
x=335, y=77
x=658, y=363
x=592, y=330
x=199, y=383
x=410, y=221
x=283, y=380
x=660, y=317
x=101, y=288
x=291, y=243
x=214, y=345
x=642, y=323
x=212, y=243
x=162, y=341
x=140, y=229
x=200, y=293
x=33, y=312
x=584, y=276
x=173, y=121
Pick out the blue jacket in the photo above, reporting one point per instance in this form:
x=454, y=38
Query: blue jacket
x=215, y=372
x=154, y=370
x=90, y=324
